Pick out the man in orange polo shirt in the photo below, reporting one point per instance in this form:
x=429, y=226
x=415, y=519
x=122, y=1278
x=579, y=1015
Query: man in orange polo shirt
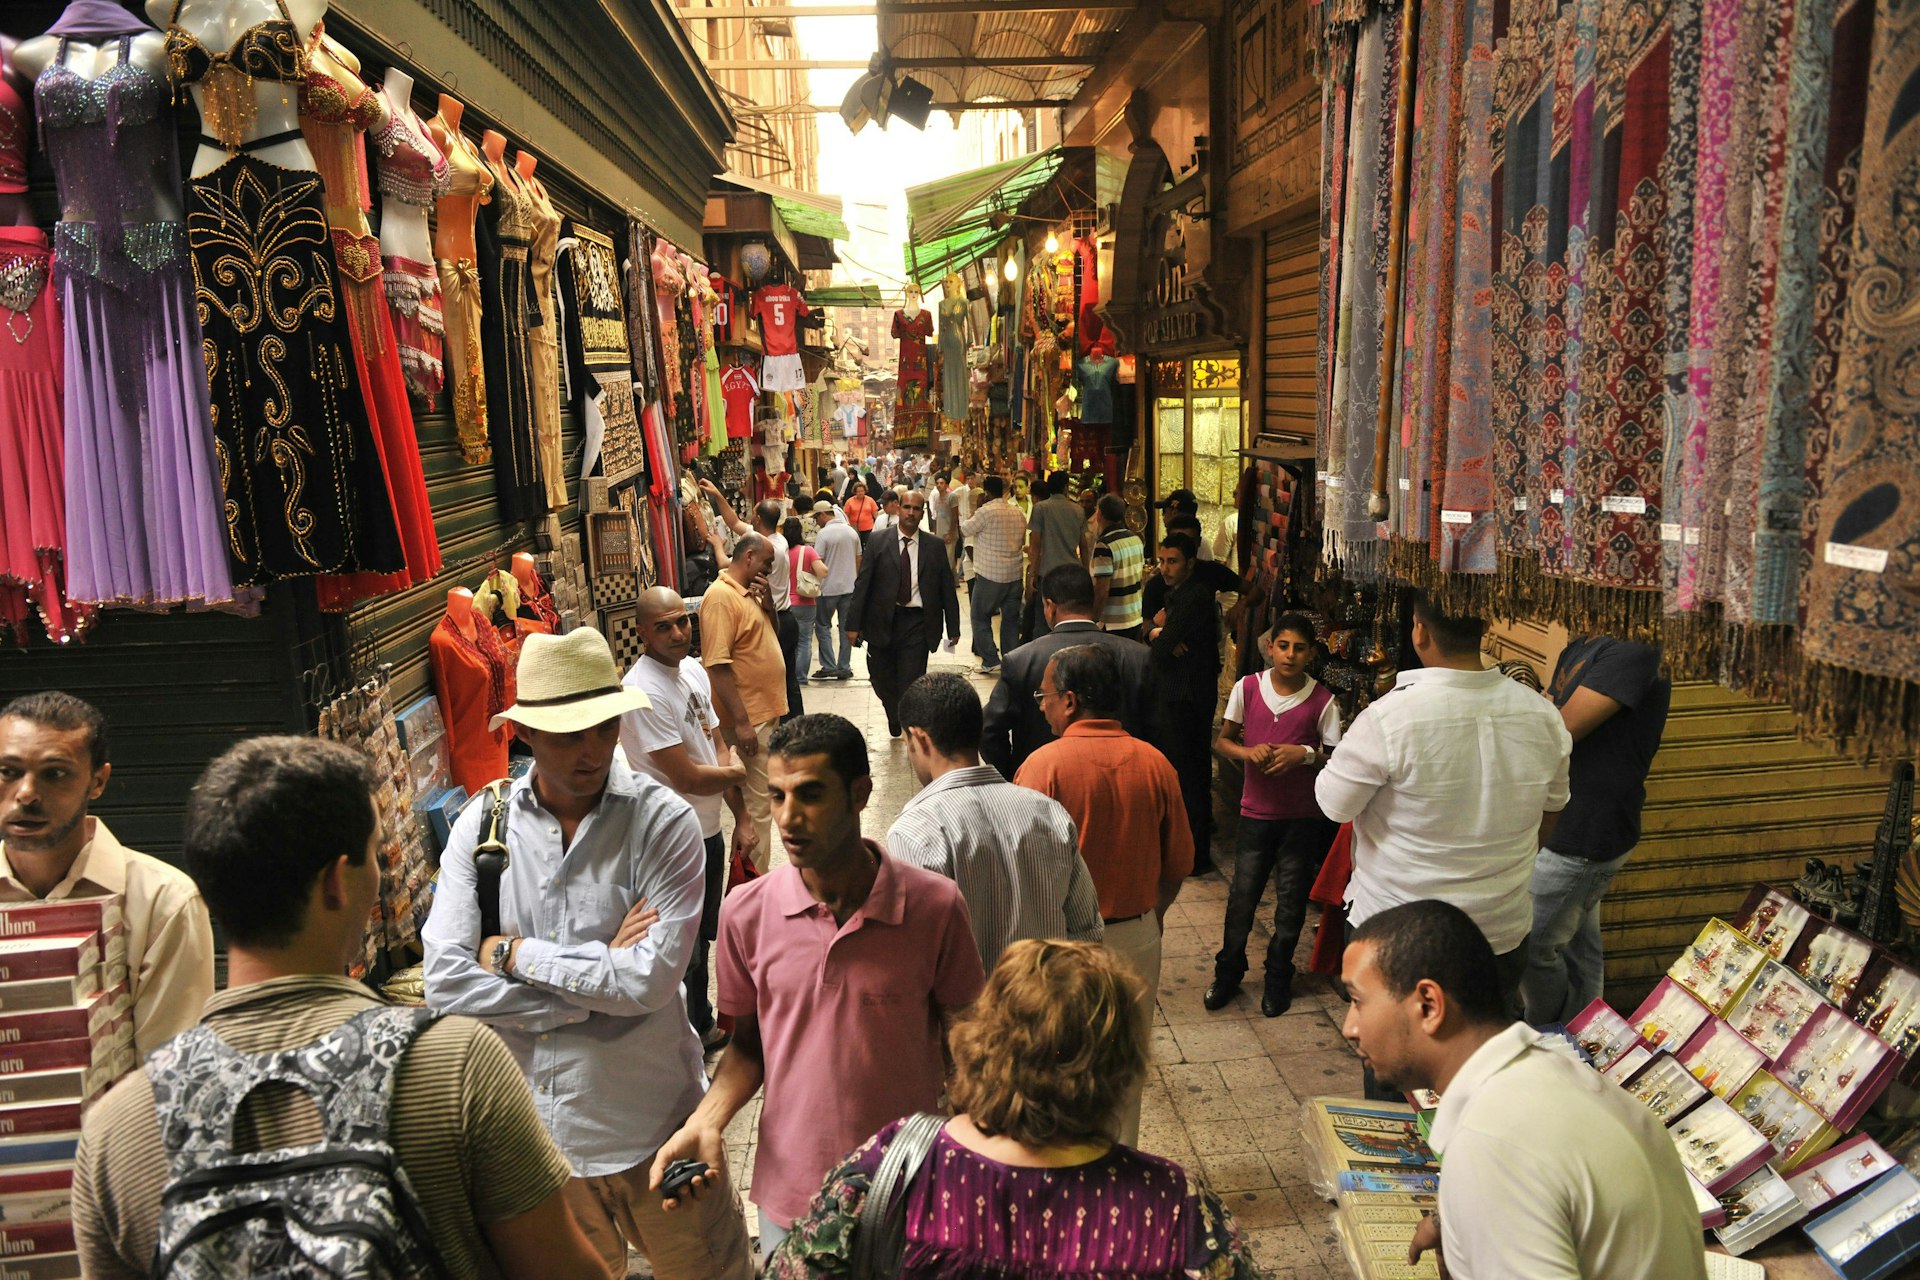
x=1125, y=802
x=741, y=651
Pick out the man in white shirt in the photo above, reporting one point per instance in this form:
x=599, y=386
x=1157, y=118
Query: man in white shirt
x=999, y=534
x=1014, y=853
x=1451, y=782
x=676, y=741
x=839, y=546
x=1552, y=1172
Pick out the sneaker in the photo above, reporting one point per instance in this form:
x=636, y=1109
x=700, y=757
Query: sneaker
x=826, y=673
x=844, y=675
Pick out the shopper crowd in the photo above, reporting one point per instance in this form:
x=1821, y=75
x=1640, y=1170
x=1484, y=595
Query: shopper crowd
x=947, y=1031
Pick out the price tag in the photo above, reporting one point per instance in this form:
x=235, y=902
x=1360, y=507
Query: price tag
x=1334, y=482
x=1624, y=504
x=1669, y=532
x=1456, y=517
x=1405, y=484
x=1692, y=537
x=1558, y=497
x=1520, y=503
x=1866, y=559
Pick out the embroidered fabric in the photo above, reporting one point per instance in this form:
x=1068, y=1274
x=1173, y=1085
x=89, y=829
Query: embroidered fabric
x=13, y=135
x=419, y=329
x=412, y=170
x=269, y=50
x=22, y=277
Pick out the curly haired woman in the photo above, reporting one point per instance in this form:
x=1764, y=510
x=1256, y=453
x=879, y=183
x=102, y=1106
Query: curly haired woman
x=1027, y=1181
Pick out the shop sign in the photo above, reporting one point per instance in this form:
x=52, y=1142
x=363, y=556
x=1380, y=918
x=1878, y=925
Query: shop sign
x=1273, y=159
x=1178, y=309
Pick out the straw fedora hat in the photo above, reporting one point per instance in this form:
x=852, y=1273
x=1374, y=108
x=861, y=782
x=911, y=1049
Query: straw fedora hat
x=568, y=683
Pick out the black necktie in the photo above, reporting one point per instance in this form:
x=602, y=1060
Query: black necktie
x=906, y=570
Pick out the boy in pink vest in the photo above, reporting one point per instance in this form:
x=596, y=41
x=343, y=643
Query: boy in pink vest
x=1280, y=724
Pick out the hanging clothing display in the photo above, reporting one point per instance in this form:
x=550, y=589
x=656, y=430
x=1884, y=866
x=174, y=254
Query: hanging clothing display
x=510, y=312
x=914, y=378
x=667, y=284
x=953, y=358
x=456, y=259
x=470, y=677
x=546, y=347
x=741, y=391
x=142, y=486
x=336, y=111
x=413, y=172
x=692, y=374
x=780, y=308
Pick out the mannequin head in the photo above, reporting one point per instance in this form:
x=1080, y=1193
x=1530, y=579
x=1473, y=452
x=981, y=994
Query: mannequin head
x=460, y=609
x=523, y=163
x=913, y=299
x=525, y=574
x=494, y=143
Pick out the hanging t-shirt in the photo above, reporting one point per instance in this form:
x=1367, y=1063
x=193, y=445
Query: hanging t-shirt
x=739, y=388
x=722, y=310
x=779, y=308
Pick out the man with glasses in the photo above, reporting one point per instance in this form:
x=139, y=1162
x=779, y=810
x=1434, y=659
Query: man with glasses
x=1124, y=799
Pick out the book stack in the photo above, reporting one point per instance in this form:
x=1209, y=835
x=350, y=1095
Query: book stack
x=66, y=1033
x=1372, y=1159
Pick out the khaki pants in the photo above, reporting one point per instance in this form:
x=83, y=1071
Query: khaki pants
x=754, y=792
x=1138, y=943
x=704, y=1239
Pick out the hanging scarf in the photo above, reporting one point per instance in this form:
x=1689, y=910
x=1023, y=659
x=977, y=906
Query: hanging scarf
x=94, y=21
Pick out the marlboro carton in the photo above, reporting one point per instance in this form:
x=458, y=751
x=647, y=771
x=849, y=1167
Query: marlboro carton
x=49, y=993
x=39, y=1118
x=51, y=1266
x=35, y=1239
x=67, y=916
x=40, y=1148
x=81, y=1021
x=27, y=959
x=36, y=1193
x=47, y=1055
x=63, y=1084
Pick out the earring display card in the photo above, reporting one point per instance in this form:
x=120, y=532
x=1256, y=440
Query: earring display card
x=1760, y=1208
x=1719, y=1058
x=1773, y=919
x=1717, y=1146
x=1837, y=1065
x=1833, y=960
x=1853, y=1163
x=1890, y=1007
x=1603, y=1035
x=1717, y=965
x=1873, y=1235
x=1775, y=1005
x=1795, y=1129
x=1712, y=1212
x=1666, y=1088
x=1669, y=1016
x=1627, y=1063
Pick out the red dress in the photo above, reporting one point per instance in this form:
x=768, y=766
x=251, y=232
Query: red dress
x=470, y=677
x=334, y=124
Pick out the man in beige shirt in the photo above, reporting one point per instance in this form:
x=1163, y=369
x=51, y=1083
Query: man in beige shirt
x=53, y=764
x=741, y=652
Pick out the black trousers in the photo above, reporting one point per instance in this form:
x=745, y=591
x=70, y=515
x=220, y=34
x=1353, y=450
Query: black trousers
x=1184, y=729
x=788, y=632
x=1290, y=851
x=699, y=1008
x=903, y=661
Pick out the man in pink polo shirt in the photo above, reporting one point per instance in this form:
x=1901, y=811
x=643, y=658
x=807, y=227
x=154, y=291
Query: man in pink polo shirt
x=838, y=969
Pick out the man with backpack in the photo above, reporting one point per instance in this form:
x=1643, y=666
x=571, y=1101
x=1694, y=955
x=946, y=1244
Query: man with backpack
x=283, y=841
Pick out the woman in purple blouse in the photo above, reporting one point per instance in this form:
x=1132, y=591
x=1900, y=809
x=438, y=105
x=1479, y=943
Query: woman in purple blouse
x=1027, y=1180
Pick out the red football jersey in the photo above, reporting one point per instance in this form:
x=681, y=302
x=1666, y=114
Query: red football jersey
x=739, y=388
x=779, y=308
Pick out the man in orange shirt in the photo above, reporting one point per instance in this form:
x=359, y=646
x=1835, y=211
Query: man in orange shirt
x=860, y=510
x=1125, y=802
x=740, y=648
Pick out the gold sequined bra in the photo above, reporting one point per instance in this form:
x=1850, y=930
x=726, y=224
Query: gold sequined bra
x=270, y=50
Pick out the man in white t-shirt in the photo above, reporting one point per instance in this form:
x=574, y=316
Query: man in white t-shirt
x=1452, y=782
x=839, y=546
x=1553, y=1172
x=677, y=741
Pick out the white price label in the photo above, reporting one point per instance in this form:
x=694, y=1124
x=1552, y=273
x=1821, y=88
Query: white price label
x=1867, y=559
x=1405, y=484
x=1456, y=517
x=1669, y=532
x=1334, y=482
x=1520, y=503
x=1624, y=504
x=1558, y=497
x=1692, y=538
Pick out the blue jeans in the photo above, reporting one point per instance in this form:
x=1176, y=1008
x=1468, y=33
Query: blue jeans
x=803, y=616
x=771, y=1234
x=825, y=612
x=985, y=599
x=1566, y=963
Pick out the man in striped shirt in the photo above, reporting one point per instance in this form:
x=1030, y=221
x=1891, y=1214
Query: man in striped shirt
x=999, y=534
x=1013, y=852
x=1119, y=567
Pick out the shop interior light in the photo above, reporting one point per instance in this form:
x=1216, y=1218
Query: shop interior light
x=1053, y=243
x=1011, y=270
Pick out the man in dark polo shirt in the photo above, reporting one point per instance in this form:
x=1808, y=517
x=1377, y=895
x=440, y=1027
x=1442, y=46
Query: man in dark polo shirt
x=1613, y=697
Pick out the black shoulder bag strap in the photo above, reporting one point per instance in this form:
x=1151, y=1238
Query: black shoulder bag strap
x=490, y=861
x=880, y=1236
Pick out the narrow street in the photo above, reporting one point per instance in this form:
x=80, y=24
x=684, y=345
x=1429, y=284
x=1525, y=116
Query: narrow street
x=1226, y=1087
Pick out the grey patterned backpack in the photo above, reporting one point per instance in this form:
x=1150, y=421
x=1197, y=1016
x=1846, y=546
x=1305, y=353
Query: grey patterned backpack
x=340, y=1207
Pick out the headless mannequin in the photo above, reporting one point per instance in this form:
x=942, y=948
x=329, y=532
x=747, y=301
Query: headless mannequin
x=453, y=227
x=523, y=164
x=15, y=211
x=403, y=226
x=216, y=24
x=460, y=609
x=525, y=574
x=90, y=62
x=330, y=58
x=494, y=144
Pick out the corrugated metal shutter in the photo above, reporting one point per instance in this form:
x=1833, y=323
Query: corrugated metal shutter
x=1290, y=285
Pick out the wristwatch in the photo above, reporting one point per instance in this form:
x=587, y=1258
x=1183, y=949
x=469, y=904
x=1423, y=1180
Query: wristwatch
x=502, y=953
x=1313, y=757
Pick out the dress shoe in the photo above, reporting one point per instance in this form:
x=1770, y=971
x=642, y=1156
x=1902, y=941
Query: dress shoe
x=1218, y=994
x=1201, y=867
x=845, y=673
x=826, y=673
x=1275, y=1003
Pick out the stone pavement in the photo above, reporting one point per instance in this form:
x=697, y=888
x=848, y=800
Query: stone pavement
x=1225, y=1089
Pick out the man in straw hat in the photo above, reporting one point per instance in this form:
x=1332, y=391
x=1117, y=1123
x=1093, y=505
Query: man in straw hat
x=599, y=910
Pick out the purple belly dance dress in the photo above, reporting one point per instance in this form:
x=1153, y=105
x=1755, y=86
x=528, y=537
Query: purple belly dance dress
x=144, y=524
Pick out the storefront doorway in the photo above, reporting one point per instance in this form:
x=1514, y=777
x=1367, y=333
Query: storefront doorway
x=1198, y=412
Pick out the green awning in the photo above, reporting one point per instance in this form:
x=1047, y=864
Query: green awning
x=849, y=295
x=950, y=221
x=806, y=213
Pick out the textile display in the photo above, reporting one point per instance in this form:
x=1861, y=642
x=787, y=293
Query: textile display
x=509, y=313
x=602, y=314
x=1657, y=316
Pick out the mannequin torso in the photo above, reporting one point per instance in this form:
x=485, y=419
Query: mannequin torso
x=89, y=62
x=471, y=179
x=403, y=222
x=336, y=105
x=217, y=27
x=16, y=126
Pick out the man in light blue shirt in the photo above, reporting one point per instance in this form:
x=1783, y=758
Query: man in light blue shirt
x=839, y=546
x=598, y=912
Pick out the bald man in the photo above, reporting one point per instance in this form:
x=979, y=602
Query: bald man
x=741, y=651
x=677, y=742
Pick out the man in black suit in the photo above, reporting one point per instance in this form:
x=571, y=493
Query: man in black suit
x=1183, y=641
x=904, y=589
x=1015, y=727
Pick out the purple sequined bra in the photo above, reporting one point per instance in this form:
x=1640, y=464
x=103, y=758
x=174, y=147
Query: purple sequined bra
x=114, y=155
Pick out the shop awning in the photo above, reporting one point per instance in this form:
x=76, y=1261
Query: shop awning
x=1030, y=53
x=850, y=295
x=950, y=222
x=806, y=213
